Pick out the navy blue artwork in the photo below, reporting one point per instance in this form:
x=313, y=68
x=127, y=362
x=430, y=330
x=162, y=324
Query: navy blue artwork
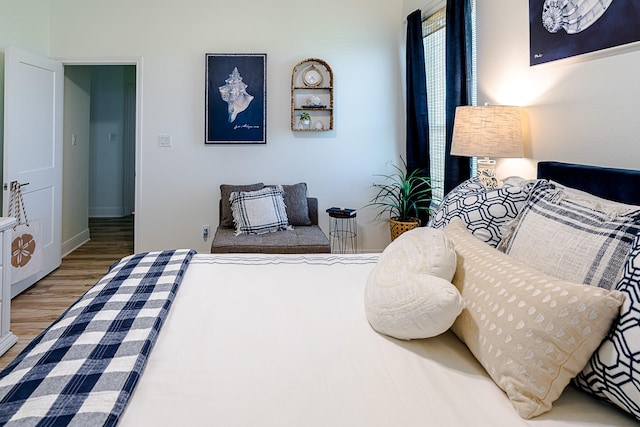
x=589, y=27
x=236, y=99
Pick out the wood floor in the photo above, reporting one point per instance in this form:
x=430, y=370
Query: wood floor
x=36, y=308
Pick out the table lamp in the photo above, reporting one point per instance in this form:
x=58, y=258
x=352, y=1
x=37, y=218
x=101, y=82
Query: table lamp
x=487, y=131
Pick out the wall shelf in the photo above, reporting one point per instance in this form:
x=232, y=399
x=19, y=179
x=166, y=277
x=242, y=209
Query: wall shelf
x=312, y=92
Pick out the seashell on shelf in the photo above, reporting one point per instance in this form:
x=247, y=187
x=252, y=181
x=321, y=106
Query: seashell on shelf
x=234, y=93
x=572, y=15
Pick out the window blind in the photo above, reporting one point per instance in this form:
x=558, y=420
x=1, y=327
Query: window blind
x=433, y=32
x=434, y=39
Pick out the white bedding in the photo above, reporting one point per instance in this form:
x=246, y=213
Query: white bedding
x=282, y=340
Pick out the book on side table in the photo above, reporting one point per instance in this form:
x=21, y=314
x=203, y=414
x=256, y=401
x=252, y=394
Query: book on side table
x=341, y=212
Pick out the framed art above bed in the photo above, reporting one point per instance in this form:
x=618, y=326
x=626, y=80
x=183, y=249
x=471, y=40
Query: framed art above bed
x=564, y=29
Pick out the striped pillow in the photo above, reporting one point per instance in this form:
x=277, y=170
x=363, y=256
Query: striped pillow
x=259, y=212
x=567, y=238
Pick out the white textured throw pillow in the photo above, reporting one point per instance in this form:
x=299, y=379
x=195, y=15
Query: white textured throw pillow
x=409, y=294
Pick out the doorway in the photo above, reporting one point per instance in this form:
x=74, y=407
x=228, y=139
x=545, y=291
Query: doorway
x=101, y=136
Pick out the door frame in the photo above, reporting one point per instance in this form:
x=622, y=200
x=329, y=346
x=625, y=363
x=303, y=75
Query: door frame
x=137, y=62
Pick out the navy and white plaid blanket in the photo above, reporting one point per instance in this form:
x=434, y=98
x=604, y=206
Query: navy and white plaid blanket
x=84, y=367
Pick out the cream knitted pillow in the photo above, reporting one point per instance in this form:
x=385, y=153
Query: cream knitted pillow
x=409, y=294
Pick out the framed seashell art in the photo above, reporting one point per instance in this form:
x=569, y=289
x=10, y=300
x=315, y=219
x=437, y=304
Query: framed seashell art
x=236, y=98
x=562, y=29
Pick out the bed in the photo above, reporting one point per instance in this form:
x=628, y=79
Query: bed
x=262, y=340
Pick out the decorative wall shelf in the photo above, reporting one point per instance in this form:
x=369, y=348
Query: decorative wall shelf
x=312, y=93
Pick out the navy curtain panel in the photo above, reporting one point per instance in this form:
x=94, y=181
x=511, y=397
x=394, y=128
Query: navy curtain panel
x=417, y=116
x=458, y=78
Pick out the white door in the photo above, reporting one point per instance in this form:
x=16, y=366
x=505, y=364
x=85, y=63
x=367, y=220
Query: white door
x=33, y=108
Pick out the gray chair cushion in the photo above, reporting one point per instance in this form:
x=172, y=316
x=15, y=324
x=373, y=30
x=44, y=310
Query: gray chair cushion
x=300, y=240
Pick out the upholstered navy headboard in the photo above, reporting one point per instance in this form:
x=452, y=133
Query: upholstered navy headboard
x=621, y=185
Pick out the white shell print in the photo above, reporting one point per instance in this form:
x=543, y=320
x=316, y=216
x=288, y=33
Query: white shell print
x=572, y=15
x=234, y=93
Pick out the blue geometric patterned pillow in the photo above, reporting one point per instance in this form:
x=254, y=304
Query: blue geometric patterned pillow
x=613, y=373
x=259, y=212
x=484, y=212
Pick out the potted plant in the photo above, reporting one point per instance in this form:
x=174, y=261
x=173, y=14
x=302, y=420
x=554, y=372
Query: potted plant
x=404, y=196
x=305, y=119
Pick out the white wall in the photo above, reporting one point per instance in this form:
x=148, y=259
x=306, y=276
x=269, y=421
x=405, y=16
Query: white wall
x=107, y=124
x=75, y=155
x=582, y=110
x=24, y=24
x=106, y=164
x=179, y=186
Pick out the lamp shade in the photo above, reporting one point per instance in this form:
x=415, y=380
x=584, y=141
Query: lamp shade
x=487, y=131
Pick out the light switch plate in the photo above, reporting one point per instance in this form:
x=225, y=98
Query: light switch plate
x=164, y=140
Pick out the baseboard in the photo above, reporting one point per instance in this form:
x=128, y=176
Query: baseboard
x=7, y=341
x=75, y=242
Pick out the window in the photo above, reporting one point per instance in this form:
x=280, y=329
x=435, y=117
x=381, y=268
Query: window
x=433, y=31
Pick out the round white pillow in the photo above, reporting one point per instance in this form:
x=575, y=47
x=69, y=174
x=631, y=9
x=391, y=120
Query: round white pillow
x=409, y=294
x=421, y=250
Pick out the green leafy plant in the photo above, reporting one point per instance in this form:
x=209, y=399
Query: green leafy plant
x=403, y=195
x=305, y=116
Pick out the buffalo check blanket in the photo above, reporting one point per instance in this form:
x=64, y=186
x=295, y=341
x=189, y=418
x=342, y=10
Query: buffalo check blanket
x=83, y=368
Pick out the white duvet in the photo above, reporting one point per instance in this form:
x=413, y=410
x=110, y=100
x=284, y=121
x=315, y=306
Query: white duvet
x=282, y=340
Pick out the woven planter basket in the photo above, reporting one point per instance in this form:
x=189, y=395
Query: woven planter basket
x=399, y=227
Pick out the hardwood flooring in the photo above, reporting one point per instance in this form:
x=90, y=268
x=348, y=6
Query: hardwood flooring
x=36, y=308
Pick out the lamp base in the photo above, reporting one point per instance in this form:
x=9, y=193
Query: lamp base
x=487, y=173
